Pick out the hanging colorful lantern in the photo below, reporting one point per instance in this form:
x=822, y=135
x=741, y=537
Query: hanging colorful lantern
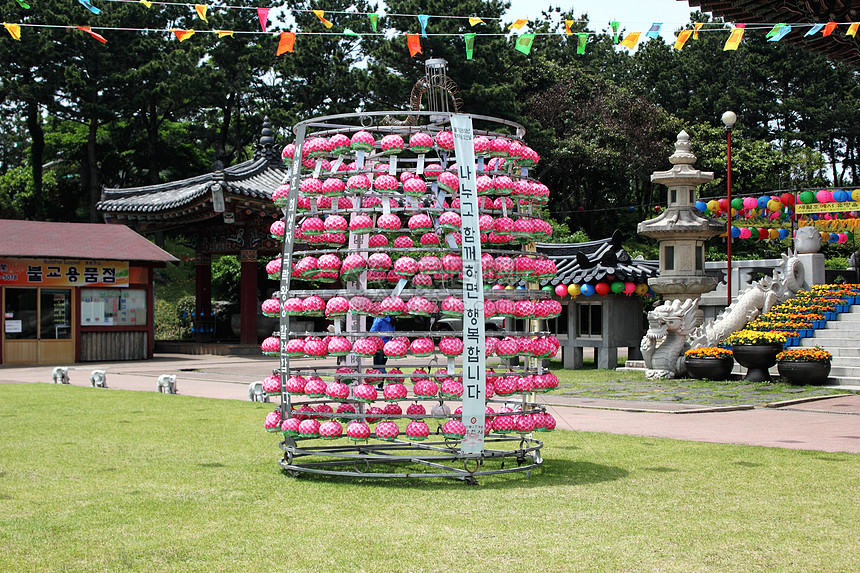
x=629, y=288
x=824, y=196
x=787, y=199
x=745, y=233
x=807, y=197
x=601, y=288
x=714, y=206
x=642, y=289
x=587, y=290
x=617, y=287
x=561, y=290
x=574, y=290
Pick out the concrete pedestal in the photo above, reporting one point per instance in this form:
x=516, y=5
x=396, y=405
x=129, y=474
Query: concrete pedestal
x=813, y=268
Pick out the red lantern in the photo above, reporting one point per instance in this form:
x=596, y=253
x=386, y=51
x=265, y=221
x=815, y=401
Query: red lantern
x=763, y=234
x=787, y=199
x=629, y=288
x=601, y=288
x=724, y=204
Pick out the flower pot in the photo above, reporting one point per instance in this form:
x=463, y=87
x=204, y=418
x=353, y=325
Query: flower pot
x=757, y=359
x=803, y=371
x=709, y=368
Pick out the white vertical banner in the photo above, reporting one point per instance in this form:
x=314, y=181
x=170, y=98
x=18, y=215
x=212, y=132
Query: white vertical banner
x=474, y=363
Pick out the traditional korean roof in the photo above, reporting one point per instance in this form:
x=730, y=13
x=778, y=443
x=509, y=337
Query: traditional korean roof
x=596, y=261
x=837, y=46
x=92, y=241
x=252, y=180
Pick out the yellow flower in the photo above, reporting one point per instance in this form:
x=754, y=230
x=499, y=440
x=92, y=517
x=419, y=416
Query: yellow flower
x=805, y=355
x=708, y=352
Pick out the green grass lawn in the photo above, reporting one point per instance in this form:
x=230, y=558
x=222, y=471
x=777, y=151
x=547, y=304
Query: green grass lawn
x=107, y=480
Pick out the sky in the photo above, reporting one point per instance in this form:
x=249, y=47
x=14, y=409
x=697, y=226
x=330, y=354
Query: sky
x=634, y=15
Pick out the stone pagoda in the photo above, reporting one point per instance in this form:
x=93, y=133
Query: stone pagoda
x=681, y=230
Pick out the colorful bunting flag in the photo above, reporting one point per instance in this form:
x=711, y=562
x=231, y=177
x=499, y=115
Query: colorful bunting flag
x=86, y=4
x=473, y=21
x=581, y=39
x=182, y=35
x=23, y=5
x=734, y=38
x=828, y=29
x=414, y=43
x=89, y=31
x=811, y=32
x=263, y=16
x=615, y=24
x=524, y=43
x=781, y=33
x=201, y=11
x=374, y=18
x=422, y=19
x=567, y=25
x=518, y=24
x=222, y=33
x=654, y=32
x=348, y=32
x=14, y=30
x=774, y=30
x=470, y=44
x=630, y=40
x=286, y=43
x=683, y=36
x=852, y=29
x=146, y=3
x=321, y=15
x=696, y=27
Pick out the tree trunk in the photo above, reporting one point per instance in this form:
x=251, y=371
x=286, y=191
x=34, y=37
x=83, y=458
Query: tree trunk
x=37, y=146
x=151, y=121
x=93, y=169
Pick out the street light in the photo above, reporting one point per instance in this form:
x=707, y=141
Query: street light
x=729, y=119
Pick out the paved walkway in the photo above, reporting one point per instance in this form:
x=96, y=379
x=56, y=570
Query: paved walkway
x=831, y=424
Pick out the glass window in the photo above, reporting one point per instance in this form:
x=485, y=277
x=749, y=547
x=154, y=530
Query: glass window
x=590, y=319
x=674, y=196
x=113, y=307
x=56, y=314
x=669, y=258
x=20, y=314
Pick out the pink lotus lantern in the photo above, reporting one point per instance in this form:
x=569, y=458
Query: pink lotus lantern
x=273, y=269
x=276, y=230
x=295, y=348
x=339, y=346
x=336, y=306
x=352, y=265
x=452, y=306
x=365, y=393
x=445, y=140
x=271, y=346
x=395, y=349
x=330, y=430
x=417, y=430
x=335, y=224
x=358, y=431
x=451, y=389
x=502, y=185
x=273, y=421
x=422, y=347
x=272, y=385
x=450, y=346
x=450, y=222
x=392, y=144
x=524, y=267
x=309, y=429
x=420, y=223
x=504, y=424
x=386, y=184
x=449, y=182
x=505, y=386
x=315, y=347
x=311, y=187
x=416, y=409
x=454, y=430
x=403, y=242
x=422, y=281
x=523, y=424
x=405, y=266
x=425, y=388
x=377, y=241
x=419, y=306
x=432, y=171
x=452, y=264
x=420, y=143
x=484, y=185
x=364, y=347
x=313, y=306
x=362, y=141
x=358, y=184
x=287, y=153
x=388, y=223
x=290, y=426
x=379, y=262
x=387, y=430
x=271, y=308
x=345, y=408
x=339, y=144
x=394, y=392
x=430, y=240
x=415, y=187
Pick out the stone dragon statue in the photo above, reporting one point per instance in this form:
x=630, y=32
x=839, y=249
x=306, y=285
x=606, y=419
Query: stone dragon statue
x=758, y=298
x=666, y=339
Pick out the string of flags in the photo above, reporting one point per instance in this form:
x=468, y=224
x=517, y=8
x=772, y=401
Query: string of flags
x=524, y=39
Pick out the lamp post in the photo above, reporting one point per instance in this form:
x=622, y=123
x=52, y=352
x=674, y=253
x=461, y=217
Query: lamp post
x=729, y=119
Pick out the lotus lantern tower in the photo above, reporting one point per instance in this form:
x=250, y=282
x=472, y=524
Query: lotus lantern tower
x=681, y=230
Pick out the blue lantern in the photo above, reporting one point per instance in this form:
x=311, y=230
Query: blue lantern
x=587, y=290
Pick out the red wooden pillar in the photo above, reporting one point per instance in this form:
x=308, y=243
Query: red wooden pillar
x=203, y=321
x=248, y=297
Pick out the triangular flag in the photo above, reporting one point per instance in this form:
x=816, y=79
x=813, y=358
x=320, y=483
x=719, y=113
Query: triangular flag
x=470, y=44
x=630, y=40
x=696, y=27
x=422, y=19
x=567, y=25
x=182, y=35
x=286, y=43
x=14, y=30
x=811, y=32
x=414, y=43
x=615, y=24
x=774, y=30
x=374, y=18
x=683, y=36
x=222, y=33
x=474, y=21
x=518, y=24
x=524, y=43
x=263, y=16
x=828, y=29
x=348, y=32
x=146, y=3
x=24, y=5
x=321, y=15
x=89, y=31
x=201, y=11
x=781, y=33
x=654, y=32
x=852, y=29
x=734, y=38
x=86, y=4
x=581, y=39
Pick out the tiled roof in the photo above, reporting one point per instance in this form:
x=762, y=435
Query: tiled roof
x=595, y=261
x=77, y=241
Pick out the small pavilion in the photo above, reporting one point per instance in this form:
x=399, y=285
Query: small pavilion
x=226, y=212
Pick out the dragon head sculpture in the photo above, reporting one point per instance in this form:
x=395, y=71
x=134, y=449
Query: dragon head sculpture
x=676, y=316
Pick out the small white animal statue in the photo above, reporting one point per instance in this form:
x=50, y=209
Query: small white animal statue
x=98, y=379
x=60, y=375
x=256, y=393
x=166, y=384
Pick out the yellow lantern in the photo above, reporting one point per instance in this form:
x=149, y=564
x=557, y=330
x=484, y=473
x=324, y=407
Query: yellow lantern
x=641, y=289
x=773, y=233
x=774, y=205
x=574, y=290
x=714, y=206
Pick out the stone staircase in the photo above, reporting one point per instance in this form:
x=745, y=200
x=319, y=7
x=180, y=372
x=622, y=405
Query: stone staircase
x=842, y=339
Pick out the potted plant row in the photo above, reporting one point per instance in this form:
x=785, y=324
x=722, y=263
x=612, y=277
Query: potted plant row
x=709, y=363
x=804, y=365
